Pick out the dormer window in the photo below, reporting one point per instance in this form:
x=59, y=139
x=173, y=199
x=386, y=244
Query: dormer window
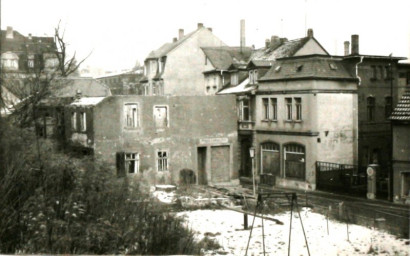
x=299, y=68
x=234, y=78
x=332, y=66
x=253, y=76
x=277, y=69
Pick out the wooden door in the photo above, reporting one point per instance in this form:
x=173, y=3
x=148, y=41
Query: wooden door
x=220, y=163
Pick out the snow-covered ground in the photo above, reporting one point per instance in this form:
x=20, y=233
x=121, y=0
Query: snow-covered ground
x=226, y=227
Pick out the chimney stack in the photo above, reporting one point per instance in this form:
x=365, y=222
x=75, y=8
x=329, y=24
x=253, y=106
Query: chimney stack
x=210, y=29
x=242, y=42
x=29, y=36
x=347, y=47
x=355, y=45
x=180, y=33
x=267, y=43
x=200, y=25
x=174, y=40
x=9, y=33
x=275, y=42
x=310, y=33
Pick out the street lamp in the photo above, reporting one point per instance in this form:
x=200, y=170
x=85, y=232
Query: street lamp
x=252, y=154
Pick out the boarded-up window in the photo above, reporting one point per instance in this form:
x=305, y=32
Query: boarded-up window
x=161, y=116
x=294, y=156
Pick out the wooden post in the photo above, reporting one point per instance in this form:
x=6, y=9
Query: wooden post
x=245, y=221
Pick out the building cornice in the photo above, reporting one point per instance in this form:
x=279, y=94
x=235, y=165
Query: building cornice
x=289, y=133
x=315, y=91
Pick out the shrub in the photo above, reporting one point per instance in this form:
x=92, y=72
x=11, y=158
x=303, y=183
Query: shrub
x=59, y=204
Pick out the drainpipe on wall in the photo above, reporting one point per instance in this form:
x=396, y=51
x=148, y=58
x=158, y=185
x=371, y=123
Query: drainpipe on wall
x=357, y=70
x=223, y=80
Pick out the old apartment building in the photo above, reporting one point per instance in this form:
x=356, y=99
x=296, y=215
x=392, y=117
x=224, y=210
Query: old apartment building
x=22, y=55
x=159, y=134
x=176, y=68
x=377, y=94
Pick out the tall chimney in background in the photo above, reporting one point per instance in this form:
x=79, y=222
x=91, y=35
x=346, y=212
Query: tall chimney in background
x=355, y=45
x=242, y=42
x=200, y=25
x=180, y=33
x=310, y=33
x=347, y=47
x=9, y=33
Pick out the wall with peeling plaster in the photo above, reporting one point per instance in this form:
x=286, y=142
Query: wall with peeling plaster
x=193, y=121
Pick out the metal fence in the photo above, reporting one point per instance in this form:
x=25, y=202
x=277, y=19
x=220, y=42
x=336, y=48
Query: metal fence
x=339, y=177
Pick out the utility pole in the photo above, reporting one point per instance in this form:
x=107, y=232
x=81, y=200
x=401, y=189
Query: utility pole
x=390, y=185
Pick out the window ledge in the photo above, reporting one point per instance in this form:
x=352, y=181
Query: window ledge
x=289, y=121
x=298, y=121
x=131, y=128
x=269, y=120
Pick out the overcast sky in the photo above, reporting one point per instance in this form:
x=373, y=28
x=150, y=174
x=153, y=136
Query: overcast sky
x=121, y=32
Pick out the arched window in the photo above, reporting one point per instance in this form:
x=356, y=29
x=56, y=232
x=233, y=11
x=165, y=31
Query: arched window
x=295, y=158
x=270, y=158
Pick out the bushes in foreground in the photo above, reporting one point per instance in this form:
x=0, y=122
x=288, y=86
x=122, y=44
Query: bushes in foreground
x=53, y=203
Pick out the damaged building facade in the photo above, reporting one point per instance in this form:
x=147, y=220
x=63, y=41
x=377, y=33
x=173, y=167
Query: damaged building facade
x=162, y=135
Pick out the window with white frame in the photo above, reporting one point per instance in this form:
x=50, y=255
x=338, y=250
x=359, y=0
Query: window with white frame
x=253, y=76
x=83, y=121
x=234, y=78
x=288, y=102
x=245, y=114
x=274, y=104
x=161, y=116
x=294, y=157
x=131, y=115
x=132, y=162
x=74, y=121
x=265, y=102
x=298, y=105
x=162, y=160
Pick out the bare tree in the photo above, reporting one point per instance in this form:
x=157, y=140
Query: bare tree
x=66, y=65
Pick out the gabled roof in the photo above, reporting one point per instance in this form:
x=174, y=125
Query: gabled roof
x=224, y=56
x=20, y=43
x=402, y=110
x=88, y=87
x=167, y=47
x=308, y=67
x=285, y=49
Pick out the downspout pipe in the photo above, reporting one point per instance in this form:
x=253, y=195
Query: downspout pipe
x=357, y=70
